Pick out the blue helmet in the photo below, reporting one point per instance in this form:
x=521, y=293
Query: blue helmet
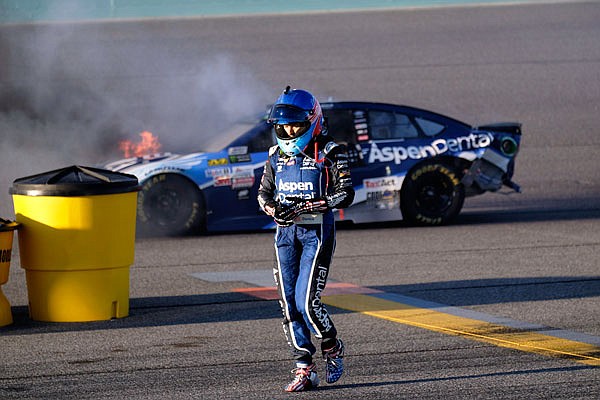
x=300, y=108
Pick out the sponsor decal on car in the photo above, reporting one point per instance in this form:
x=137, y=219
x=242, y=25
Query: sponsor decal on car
x=158, y=170
x=243, y=194
x=238, y=154
x=217, y=161
x=383, y=193
x=397, y=154
x=383, y=183
x=240, y=158
x=237, y=150
x=242, y=181
x=222, y=181
x=215, y=172
x=237, y=178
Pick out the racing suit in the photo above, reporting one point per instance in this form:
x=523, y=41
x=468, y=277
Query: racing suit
x=304, y=250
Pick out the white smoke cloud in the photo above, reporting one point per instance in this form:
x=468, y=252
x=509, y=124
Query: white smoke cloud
x=69, y=94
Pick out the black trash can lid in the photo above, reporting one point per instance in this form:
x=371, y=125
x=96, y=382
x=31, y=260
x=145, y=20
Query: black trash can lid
x=75, y=181
x=6, y=225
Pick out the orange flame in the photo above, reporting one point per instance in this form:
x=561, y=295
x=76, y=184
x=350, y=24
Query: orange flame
x=148, y=145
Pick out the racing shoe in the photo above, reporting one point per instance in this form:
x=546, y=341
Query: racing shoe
x=334, y=362
x=305, y=378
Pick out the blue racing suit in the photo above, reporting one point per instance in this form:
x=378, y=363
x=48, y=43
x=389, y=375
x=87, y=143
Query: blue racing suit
x=304, y=250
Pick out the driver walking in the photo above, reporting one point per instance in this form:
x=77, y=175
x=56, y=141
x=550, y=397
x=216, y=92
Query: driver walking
x=306, y=176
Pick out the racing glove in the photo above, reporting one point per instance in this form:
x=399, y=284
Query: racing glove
x=285, y=214
x=282, y=215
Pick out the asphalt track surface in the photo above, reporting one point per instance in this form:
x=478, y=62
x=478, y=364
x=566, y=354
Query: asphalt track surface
x=528, y=259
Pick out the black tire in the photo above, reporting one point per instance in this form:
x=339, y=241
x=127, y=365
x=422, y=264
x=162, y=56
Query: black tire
x=170, y=205
x=431, y=195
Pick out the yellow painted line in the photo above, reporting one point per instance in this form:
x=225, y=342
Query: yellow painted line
x=435, y=317
x=481, y=331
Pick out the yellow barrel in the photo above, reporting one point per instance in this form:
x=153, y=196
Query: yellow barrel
x=76, y=242
x=6, y=241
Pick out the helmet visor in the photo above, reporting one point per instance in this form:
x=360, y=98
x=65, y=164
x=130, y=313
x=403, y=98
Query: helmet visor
x=291, y=130
x=285, y=114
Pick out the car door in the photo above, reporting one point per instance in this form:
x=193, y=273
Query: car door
x=233, y=199
x=377, y=136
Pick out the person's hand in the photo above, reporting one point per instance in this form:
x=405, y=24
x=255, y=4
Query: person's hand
x=285, y=214
x=269, y=210
x=316, y=205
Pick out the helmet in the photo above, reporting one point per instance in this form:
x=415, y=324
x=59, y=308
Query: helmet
x=299, y=108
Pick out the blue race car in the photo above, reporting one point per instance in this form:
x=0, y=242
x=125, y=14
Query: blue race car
x=407, y=164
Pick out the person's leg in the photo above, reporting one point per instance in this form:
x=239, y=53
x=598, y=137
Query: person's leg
x=318, y=249
x=333, y=353
x=318, y=245
x=286, y=275
x=297, y=333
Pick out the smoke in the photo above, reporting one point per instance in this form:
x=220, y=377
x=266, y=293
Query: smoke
x=70, y=92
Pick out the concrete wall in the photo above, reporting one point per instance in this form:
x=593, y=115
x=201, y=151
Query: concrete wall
x=18, y=11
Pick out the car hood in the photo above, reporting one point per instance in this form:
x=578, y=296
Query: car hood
x=138, y=165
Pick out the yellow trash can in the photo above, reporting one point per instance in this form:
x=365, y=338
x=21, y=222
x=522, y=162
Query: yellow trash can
x=76, y=242
x=6, y=241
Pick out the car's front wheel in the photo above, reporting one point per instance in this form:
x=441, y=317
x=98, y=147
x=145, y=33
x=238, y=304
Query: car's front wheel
x=431, y=195
x=170, y=205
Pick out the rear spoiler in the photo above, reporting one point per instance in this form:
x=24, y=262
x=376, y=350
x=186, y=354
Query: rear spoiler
x=505, y=127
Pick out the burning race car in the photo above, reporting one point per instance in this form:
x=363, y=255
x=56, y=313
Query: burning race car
x=407, y=163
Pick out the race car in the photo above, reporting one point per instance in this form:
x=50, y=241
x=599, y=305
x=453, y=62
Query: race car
x=406, y=164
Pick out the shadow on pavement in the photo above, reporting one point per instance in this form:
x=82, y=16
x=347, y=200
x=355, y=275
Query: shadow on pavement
x=228, y=307
x=501, y=290
x=457, y=378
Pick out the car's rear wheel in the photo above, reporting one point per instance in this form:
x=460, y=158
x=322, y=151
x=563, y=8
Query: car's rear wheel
x=170, y=205
x=431, y=195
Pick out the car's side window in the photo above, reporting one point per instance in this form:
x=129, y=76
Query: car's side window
x=340, y=125
x=391, y=125
x=348, y=127
x=429, y=127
